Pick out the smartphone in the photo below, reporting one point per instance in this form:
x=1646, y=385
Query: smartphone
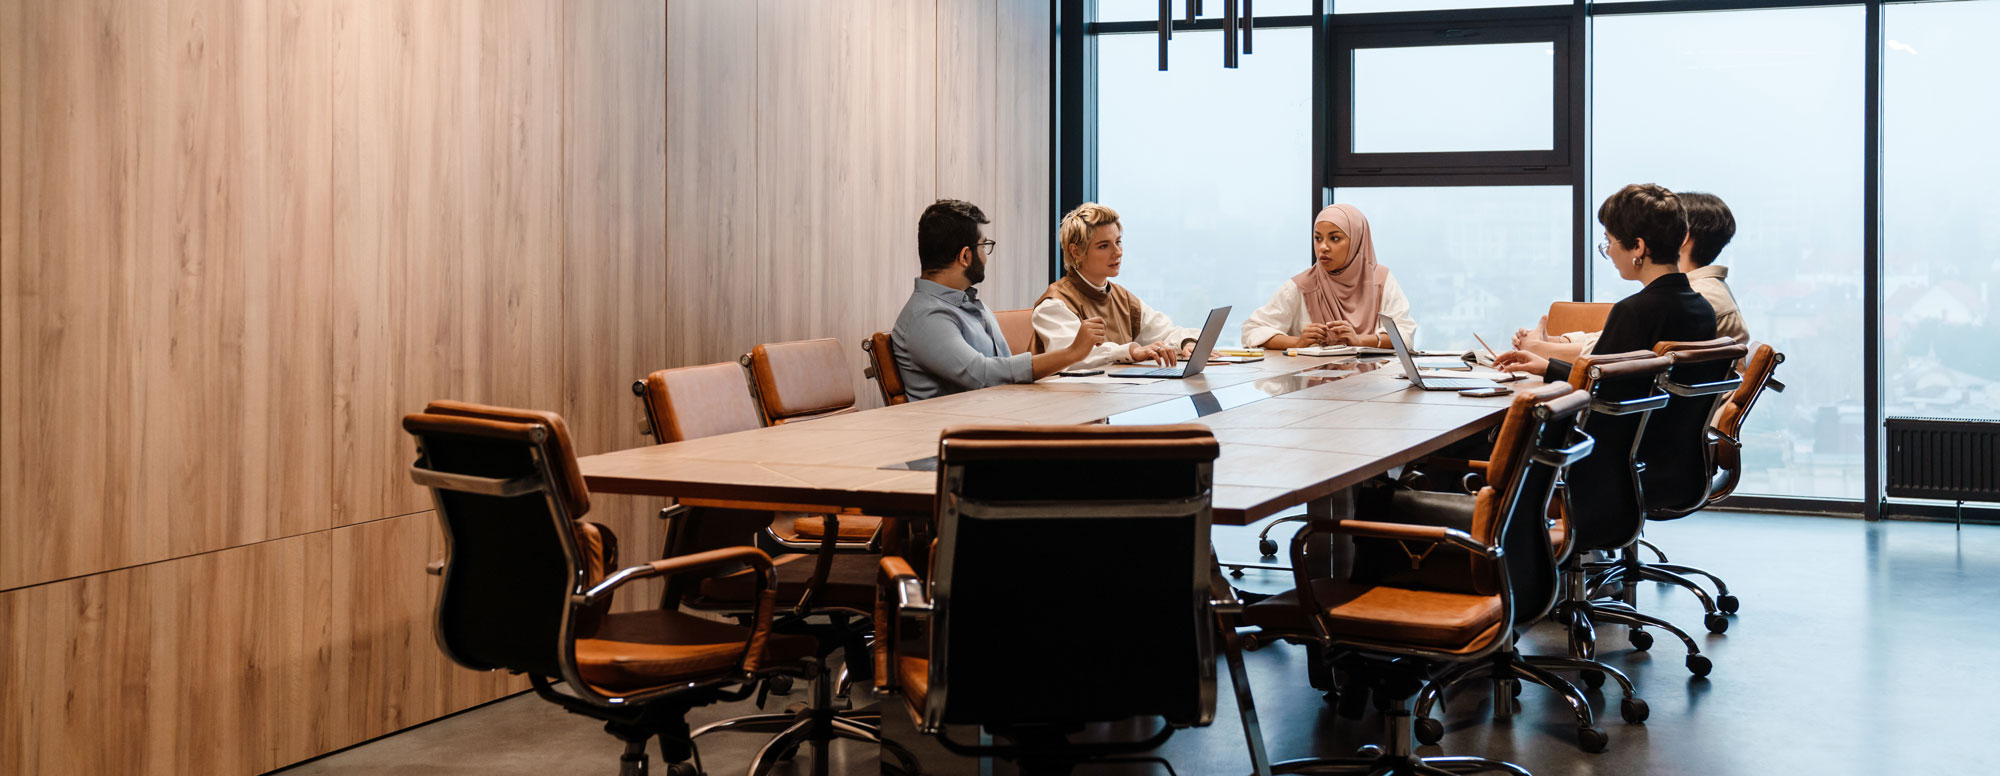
x=1081, y=373
x=1480, y=392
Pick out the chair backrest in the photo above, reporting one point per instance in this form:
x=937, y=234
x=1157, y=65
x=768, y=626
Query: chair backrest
x=1538, y=440
x=1018, y=326
x=798, y=380
x=509, y=498
x=1676, y=450
x=882, y=367
x=1602, y=492
x=1071, y=576
x=692, y=402
x=1565, y=317
x=1728, y=425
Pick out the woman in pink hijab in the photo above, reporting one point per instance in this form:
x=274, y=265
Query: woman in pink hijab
x=1337, y=299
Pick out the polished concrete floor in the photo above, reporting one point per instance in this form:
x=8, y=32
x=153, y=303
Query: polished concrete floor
x=1860, y=649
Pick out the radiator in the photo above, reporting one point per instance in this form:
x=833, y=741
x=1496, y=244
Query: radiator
x=1952, y=460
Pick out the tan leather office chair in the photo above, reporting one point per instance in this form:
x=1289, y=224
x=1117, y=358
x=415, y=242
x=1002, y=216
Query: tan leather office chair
x=882, y=369
x=1016, y=646
x=527, y=587
x=1566, y=317
x=1391, y=627
x=1727, y=430
x=1018, y=326
x=712, y=399
x=800, y=380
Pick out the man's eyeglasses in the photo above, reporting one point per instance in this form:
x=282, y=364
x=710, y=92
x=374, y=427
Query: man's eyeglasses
x=985, y=247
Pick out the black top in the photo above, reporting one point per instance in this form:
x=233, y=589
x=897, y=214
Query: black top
x=1605, y=505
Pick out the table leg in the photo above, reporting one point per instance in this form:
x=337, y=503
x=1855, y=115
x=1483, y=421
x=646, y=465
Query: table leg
x=1321, y=558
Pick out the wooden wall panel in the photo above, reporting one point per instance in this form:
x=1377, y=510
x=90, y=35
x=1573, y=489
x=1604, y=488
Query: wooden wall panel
x=447, y=239
x=967, y=135
x=845, y=173
x=1021, y=220
x=215, y=663
x=162, y=283
x=714, y=293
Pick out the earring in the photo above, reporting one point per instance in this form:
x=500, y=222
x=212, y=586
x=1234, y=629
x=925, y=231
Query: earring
x=1635, y=262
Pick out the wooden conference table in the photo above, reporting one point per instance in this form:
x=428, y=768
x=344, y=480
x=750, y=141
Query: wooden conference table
x=1293, y=430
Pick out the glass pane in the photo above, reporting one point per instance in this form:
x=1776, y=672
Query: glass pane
x=1763, y=109
x=1209, y=169
x=1149, y=10
x=1473, y=260
x=1373, y=6
x=1490, y=97
x=1940, y=220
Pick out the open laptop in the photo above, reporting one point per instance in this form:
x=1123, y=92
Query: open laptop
x=1416, y=375
x=1194, y=363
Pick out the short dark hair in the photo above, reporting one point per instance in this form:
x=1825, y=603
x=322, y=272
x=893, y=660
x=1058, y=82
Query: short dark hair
x=1710, y=225
x=1646, y=211
x=945, y=228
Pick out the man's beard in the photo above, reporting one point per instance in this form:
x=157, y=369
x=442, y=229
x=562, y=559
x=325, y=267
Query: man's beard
x=976, y=273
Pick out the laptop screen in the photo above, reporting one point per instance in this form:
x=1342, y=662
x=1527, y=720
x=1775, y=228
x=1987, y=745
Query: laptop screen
x=1402, y=350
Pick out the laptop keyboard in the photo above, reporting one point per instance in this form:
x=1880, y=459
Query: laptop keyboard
x=1456, y=383
x=1165, y=371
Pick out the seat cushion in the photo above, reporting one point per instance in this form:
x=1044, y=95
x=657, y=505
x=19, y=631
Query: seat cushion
x=853, y=528
x=637, y=650
x=849, y=584
x=1448, y=622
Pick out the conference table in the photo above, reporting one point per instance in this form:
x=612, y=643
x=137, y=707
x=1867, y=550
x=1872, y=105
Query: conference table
x=1293, y=430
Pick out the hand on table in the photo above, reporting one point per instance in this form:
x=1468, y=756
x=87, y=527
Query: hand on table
x=1159, y=352
x=1522, y=361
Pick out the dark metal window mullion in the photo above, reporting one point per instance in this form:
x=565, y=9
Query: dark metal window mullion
x=1871, y=266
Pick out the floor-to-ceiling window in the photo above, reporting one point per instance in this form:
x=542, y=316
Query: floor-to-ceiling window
x=1433, y=117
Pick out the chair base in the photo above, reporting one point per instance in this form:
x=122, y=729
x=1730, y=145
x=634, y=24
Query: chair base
x=1398, y=759
x=1629, y=569
x=1580, y=615
x=1508, y=670
x=815, y=724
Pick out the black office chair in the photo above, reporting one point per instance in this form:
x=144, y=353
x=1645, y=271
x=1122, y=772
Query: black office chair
x=1033, y=631
x=1531, y=565
x=1602, y=497
x=528, y=585
x=1679, y=460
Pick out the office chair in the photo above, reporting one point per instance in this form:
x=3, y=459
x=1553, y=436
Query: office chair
x=1602, y=499
x=823, y=574
x=1679, y=451
x=527, y=587
x=1566, y=317
x=1391, y=627
x=1532, y=568
x=882, y=368
x=1027, y=631
x=804, y=380
x=1018, y=326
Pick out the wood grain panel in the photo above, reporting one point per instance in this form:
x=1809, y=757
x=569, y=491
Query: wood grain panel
x=163, y=281
x=713, y=291
x=447, y=155
x=845, y=173
x=1021, y=221
x=967, y=142
x=211, y=664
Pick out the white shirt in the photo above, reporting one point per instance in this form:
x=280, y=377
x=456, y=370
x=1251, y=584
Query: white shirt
x=1286, y=313
x=1057, y=325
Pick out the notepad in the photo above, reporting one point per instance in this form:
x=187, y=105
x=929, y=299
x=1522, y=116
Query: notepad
x=1339, y=350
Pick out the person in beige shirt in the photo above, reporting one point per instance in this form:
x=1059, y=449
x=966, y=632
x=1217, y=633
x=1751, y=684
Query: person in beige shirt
x=1710, y=227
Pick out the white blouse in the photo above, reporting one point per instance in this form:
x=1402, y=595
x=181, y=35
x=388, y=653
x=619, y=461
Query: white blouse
x=1057, y=325
x=1286, y=313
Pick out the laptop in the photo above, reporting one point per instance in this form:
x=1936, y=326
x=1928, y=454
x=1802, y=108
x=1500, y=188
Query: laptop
x=1194, y=363
x=1416, y=375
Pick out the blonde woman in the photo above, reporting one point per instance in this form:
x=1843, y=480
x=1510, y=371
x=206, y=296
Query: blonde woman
x=1335, y=301
x=1093, y=251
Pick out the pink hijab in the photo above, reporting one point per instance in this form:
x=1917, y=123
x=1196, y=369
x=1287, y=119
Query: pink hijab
x=1354, y=294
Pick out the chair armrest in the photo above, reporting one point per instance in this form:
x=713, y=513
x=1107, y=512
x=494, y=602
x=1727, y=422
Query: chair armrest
x=897, y=590
x=909, y=592
x=756, y=558
x=1415, y=533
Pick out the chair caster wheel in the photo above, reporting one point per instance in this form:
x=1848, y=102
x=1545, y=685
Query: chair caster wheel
x=1591, y=740
x=1641, y=640
x=1236, y=572
x=1699, y=665
x=1267, y=547
x=1634, y=710
x=1517, y=689
x=780, y=685
x=1429, y=731
x=1593, y=679
x=1370, y=751
x=1716, y=623
x=682, y=769
x=1727, y=603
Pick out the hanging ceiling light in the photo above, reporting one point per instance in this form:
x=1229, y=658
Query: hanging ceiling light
x=1234, y=26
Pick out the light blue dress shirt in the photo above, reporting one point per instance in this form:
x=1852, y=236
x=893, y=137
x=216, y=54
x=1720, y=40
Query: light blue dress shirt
x=946, y=342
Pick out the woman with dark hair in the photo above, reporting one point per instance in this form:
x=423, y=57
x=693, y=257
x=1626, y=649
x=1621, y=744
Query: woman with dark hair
x=1644, y=226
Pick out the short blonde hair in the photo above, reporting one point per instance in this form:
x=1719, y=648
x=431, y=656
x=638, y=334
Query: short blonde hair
x=1076, y=226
